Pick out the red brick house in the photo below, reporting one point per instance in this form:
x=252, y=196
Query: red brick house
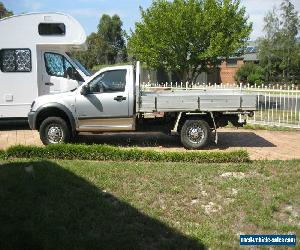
x=228, y=69
x=230, y=66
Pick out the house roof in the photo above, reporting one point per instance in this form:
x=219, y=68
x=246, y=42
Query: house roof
x=250, y=57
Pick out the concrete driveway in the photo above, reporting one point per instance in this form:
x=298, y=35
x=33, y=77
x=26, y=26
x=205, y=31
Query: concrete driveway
x=261, y=144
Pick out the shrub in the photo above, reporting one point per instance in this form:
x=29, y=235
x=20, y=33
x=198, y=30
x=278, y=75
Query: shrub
x=250, y=73
x=105, y=152
x=2, y=154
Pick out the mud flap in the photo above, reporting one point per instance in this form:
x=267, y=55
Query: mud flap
x=215, y=127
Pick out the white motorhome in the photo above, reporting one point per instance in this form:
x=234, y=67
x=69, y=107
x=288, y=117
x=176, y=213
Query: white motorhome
x=35, y=59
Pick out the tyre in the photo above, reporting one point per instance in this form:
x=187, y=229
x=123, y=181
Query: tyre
x=195, y=134
x=54, y=130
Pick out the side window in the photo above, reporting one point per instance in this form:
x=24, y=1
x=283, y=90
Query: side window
x=68, y=64
x=15, y=60
x=54, y=64
x=108, y=82
x=58, y=65
x=52, y=29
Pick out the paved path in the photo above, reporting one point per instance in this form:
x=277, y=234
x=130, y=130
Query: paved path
x=261, y=144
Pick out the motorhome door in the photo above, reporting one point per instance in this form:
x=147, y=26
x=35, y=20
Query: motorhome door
x=58, y=74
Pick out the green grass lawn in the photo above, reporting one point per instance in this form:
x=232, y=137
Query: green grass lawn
x=137, y=205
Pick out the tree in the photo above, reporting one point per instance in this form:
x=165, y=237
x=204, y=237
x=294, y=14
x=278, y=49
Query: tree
x=4, y=12
x=288, y=35
x=107, y=45
x=95, y=53
x=278, y=48
x=250, y=73
x=189, y=36
x=268, y=45
x=110, y=30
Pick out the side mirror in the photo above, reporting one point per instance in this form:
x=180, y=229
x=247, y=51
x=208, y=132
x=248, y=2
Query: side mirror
x=84, y=89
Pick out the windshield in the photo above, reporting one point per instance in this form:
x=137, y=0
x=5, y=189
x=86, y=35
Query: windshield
x=80, y=66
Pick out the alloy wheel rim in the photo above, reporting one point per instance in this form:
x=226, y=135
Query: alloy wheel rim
x=195, y=134
x=55, y=134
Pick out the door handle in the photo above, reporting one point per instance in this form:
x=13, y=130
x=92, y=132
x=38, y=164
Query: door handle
x=120, y=98
x=49, y=83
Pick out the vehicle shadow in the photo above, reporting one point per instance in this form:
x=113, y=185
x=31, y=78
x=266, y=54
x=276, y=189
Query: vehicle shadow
x=153, y=139
x=14, y=125
x=241, y=139
x=45, y=206
x=144, y=139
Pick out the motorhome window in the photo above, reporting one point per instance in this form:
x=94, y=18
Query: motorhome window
x=57, y=65
x=15, y=60
x=80, y=66
x=109, y=81
x=52, y=29
x=54, y=64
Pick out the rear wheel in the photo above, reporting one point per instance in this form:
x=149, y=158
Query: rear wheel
x=54, y=130
x=195, y=134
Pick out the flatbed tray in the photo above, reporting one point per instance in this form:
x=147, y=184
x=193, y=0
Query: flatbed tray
x=197, y=100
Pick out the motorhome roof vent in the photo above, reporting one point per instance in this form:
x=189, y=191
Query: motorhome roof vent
x=48, y=18
x=52, y=29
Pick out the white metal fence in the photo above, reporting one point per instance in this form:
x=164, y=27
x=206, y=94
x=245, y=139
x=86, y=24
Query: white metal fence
x=278, y=105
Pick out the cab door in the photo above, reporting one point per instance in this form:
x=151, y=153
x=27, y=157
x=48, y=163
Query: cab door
x=58, y=74
x=105, y=105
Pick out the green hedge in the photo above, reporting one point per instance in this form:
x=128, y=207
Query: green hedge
x=2, y=154
x=104, y=152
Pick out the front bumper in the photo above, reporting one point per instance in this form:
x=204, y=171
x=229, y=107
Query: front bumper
x=31, y=120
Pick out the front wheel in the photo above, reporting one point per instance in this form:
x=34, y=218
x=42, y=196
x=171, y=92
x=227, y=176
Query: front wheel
x=195, y=134
x=54, y=130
